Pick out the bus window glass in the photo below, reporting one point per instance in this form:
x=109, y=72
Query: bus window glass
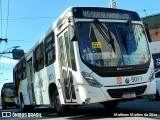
x=67, y=48
x=49, y=50
x=39, y=59
x=112, y=44
x=61, y=50
x=133, y=43
x=9, y=91
x=24, y=69
x=72, y=54
x=70, y=51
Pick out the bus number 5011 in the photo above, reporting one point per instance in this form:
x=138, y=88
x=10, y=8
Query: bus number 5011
x=136, y=79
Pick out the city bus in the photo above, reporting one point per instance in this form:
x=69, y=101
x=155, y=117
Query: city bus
x=89, y=55
x=7, y=96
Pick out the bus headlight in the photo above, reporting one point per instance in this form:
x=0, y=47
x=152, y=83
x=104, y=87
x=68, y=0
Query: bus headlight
x=90, y=80
x=151, y=77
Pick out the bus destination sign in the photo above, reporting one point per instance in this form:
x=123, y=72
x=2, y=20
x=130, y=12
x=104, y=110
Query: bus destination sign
x=96, y=14
x=104, y=13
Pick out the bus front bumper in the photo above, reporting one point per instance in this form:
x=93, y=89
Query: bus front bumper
x=88, y=94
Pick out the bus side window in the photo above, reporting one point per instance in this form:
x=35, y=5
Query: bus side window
x=19, y=72
x=49, y=48
x=39, y=58
x=24, y=69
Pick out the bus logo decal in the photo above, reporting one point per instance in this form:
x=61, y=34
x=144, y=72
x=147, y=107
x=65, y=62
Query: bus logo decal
x=119, y=80
x=127, y=80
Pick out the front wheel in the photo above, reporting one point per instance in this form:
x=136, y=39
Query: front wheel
x=154, y=97
x=62, y=110
x=110, y=105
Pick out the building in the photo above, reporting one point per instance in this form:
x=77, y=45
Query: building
x=153, y=23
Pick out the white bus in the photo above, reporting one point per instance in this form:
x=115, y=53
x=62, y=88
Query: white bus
x=89, y=55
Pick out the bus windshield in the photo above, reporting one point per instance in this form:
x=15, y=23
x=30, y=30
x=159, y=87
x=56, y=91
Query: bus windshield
x=105, y=44
x=9, y=91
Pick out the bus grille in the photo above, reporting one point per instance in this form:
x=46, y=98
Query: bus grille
x=117, y=93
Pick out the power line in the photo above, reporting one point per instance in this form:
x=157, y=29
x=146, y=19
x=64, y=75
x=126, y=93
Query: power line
x=145, y=10
x=1, y=17
x=149, y=9
x=22, y=40
x=47, y=17
x=30, y=18
x=2, y=39
x=7, y=19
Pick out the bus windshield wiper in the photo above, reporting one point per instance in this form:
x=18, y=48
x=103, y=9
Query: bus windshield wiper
x=124, y=40
x=105, y=33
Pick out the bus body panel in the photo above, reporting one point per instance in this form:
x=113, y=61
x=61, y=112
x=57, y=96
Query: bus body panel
x=87, y=94
x=24, y=90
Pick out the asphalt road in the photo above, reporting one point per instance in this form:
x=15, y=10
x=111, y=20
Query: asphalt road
x=140, y=109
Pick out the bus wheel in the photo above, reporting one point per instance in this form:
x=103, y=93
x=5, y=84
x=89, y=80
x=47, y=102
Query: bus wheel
x=61, y=110
x=154, y=97
x=23, y=106
x=4, y=106
x=110, y=105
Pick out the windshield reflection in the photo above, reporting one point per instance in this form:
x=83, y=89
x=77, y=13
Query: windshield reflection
x=112, y=44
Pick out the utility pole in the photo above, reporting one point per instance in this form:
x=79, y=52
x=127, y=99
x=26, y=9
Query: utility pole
x=1, y=39
x=112, y=4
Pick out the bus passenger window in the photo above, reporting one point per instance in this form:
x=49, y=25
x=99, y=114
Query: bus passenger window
x=39, y=58
x=49, y=48
x=24, y=70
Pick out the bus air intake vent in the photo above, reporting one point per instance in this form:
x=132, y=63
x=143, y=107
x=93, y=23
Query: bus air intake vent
x=117, y=93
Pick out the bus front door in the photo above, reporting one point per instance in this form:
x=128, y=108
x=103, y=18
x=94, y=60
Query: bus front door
x=66, y=79
x=30, y=81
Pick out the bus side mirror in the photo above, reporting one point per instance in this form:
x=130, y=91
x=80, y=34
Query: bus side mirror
x=17, y=54
x=72, y=35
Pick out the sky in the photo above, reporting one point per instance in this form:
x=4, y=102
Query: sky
x=28, y=20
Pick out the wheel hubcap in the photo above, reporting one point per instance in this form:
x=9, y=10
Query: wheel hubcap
x=152, y=97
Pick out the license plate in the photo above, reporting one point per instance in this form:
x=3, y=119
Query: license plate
x=128, y=95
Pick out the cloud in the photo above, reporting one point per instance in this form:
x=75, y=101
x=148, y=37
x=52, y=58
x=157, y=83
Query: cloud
x=8, y=61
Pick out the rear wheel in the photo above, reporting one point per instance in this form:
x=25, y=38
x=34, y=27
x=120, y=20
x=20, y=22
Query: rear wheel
x=26, y=107
x=62, y=110
x=23, y=107
x=4, y=106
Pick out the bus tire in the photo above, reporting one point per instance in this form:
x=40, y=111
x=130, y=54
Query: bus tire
x=61, y=110
x=4, y=106
x=110, y=105
x=23, y=106
x=154, y=97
